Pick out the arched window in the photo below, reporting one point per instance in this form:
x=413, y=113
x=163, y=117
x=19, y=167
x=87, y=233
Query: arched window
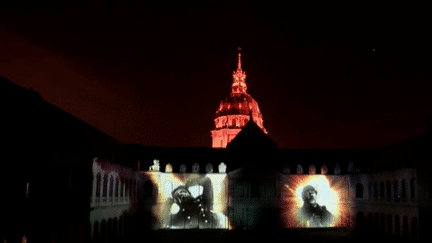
x=103, y=231
x=111, y=186
x=395, y=190
x=412, y=188
x=403, y=188
x=375, y=193
x=405, y=226
x=388, y=190
x=117, y=187
x=382, y=190
x=121, y=188
x=370, y=191
x=134, y=189
x=98, y=184
x=360, y=221
x=397, y=225
x=414, y=228
x=389, y=224
x=96, y=238
x=376, y=221
x=115, y=229
x=126, y=187
x=359, y=190
x=234, y=124
x=121, y=225
x=105, y=186
x=110, y=230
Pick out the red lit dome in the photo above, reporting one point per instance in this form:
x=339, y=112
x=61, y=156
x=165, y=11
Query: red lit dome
x=235, y=111
x=239, y=104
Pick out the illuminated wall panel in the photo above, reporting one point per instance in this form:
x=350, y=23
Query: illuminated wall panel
x=311, y=201
x=189, y=200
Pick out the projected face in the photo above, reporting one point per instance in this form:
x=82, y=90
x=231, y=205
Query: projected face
x=309, y=196
x=315, y=201
x=311, y=214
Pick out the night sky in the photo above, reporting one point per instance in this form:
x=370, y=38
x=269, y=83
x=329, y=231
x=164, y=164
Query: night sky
x=330, y=75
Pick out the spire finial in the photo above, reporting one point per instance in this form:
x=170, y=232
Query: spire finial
x=239, y=59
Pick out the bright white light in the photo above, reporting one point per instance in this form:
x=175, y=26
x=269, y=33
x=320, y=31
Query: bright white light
x=196, y=191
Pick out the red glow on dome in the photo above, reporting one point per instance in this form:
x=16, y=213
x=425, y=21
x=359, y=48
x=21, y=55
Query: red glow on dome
x=237, y=107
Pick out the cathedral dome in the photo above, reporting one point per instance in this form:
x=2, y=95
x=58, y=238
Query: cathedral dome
x=235, y=111
x=239, y=104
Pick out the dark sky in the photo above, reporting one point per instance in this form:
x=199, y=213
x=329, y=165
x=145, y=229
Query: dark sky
x=155, y=73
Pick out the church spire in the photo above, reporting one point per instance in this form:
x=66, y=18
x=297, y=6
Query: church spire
x=239, y=78
x=239, y=60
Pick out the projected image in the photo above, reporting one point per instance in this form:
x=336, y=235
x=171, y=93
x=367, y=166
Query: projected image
x=316, y=201
x=187, y=201
x=311, y=214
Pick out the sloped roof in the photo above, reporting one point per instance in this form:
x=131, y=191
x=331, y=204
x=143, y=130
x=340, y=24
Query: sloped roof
x=252, y=136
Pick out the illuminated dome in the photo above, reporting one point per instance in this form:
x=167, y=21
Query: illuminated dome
x=235, y=111
x=239, y=104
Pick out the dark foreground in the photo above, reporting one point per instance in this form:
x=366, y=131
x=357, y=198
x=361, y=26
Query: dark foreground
x=267, y=236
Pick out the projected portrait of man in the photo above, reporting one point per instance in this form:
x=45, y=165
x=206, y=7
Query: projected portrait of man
x=311, y=214
x=192, y=206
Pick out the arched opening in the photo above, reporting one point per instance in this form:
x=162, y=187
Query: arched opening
x=359, y=190
x=117, y=187
x=382, y=190
x=388, y=190
x=98, y=184
x=405, y=229
x=375, y=193
x=96, y=238
x=382, y=223
x=105, y=186
x=397, y=225
x=370, y=221
x=121, y=188
x=111, y=187
x=395, y=191
x=121, y=226
x=110, y=231
x=103, y=231
x=376, y=221
x=389, y=224
x=360, y=222
x=414, y=228
x=412, y=188
x=126, y=187
x=403, y=189
x=234, y=124
x=115, y=230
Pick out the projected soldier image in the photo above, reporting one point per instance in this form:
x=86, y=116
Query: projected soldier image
x=314, y=201
x=311, y=214
x=192, y=206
